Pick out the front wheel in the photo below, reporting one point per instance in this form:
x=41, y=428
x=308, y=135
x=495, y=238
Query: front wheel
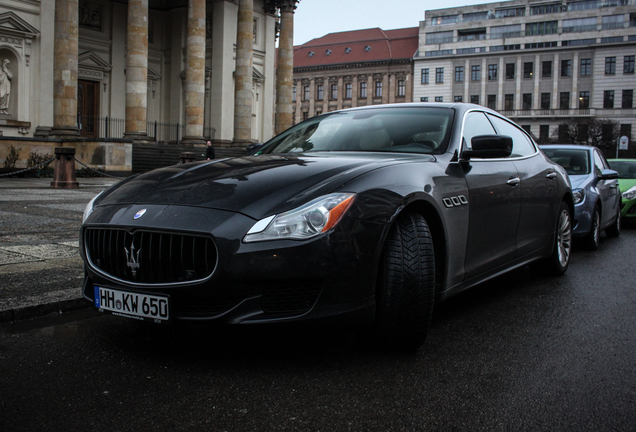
x=614, y=230
x=406, y=285
x=593, y=238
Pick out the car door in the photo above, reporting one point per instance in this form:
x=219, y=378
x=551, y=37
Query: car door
x=494, y=203
x=607, y=189
x=538, y=189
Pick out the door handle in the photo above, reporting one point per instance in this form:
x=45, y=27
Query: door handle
x=514, y=181
x=551, y=175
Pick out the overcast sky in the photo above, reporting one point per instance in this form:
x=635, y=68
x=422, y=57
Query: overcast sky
x=316, y=18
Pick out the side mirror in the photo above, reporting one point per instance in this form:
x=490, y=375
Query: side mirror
x=252, y=148
x=489, y=147
x=608, y=174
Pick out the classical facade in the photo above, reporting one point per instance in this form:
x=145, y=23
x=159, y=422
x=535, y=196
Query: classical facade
x=538, y=62
x=164, y=71
x=353, y=68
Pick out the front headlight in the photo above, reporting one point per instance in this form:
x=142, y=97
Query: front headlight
x=89, y=208
x=579, y=195
x=630, y=193
x=314, y=218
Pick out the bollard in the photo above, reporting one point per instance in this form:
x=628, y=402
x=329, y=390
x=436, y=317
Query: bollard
x=64, y=171
x=185, y=157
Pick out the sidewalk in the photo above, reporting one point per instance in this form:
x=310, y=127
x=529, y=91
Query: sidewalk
x=40, y=268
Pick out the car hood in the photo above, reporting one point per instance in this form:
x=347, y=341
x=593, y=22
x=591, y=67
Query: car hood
x=626, y=184
x=580, y=181
x=257, y=186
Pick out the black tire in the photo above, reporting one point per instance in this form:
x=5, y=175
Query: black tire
x=406, y=286
x=593, y=238
x=614, y=230
x=558, y=262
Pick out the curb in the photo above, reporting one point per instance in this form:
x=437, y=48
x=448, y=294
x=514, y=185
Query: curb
x=38, y=311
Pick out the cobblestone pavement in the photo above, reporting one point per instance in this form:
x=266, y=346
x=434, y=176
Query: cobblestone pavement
x=40, y=267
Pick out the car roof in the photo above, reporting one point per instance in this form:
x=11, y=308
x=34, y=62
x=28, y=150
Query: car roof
x=567, y=146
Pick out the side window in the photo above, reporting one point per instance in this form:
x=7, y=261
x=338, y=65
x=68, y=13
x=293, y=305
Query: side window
x=599, y=163
x=476, y=123
x=521, y=144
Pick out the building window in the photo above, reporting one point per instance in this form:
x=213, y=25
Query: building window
x=378, y=89
x=294, y=94
x=318, y=112
x=439, y=98
x=401, y=88
x=457, y=99
x=475, y=73
x=492, y=102
x=424, y=99
x=348, y=90
x=474, y=99
x=544, y=133
x=608, y=99
x=320, y=92
x=441, y=20
x=492, y=72
x=628, y=99
x=566, y=68
x=527, y=101
x=459, y=74
x=509, y=102
x=626, y=130
x=334, y=91
x=546, y=9
x=510, y=71
x=611, y=22
x=305, y=115
x=546, y=69
x=584, y=100
x=586, y=67
x=545, y=101
x=564, y=100
x=439, y=75
x=579, y=25
x=506, y=31
x=527, y=128
x=425, y=76
x=439, y=37
x=528, y=69
x=306, y=93
x=628, y=64
x=610, y=65
x=542, y=28
x=363, y=89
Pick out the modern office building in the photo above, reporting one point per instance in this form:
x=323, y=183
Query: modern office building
x=353, y=68
x=540, y=63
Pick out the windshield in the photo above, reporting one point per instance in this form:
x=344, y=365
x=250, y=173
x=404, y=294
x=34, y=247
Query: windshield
x=626, y=169
x=575, y=162
x=408, y=130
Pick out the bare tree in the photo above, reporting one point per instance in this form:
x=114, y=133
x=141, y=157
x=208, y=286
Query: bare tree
x=601, y=133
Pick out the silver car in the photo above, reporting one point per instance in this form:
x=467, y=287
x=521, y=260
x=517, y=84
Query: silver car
x=597, y=199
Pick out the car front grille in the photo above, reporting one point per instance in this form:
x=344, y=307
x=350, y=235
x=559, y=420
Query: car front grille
x=297, y=295
x=150, y=257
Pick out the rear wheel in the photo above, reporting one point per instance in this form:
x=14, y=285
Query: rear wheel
x=593, y=238
x=406, y=285
x=558, y=262
x=614, y=230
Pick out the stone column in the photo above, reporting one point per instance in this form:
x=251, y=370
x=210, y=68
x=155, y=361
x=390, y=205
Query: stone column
x=243, y=74
x=385, y=88
x=340, y=93
x=285, y=71
x=354, y=91
x=195, y=74
x=312, y=97
x=137, y=70
x=65, y=69
x=392, y=87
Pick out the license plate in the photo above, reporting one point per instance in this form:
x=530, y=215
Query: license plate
x=138, y=306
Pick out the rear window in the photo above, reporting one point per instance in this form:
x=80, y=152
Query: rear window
x=403, y=130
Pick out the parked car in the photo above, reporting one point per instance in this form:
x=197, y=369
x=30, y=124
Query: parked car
x=367, y=216
x=626, y=169
x=597, y=198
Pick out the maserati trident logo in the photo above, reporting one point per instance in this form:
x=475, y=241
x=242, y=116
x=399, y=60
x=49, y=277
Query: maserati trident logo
x=139, y=214
x=132, y=259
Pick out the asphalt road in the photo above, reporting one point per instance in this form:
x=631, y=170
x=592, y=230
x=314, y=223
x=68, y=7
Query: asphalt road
x=521, y=353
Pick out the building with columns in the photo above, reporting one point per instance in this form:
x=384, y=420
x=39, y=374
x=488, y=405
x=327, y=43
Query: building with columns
x=140, y=71
x=541, y=63
x=353, y=68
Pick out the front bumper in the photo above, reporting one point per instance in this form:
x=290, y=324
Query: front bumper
x=330, y=276
x=628, y=209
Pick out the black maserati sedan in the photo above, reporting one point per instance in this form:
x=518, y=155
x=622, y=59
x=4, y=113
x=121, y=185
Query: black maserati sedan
x=365, y=217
